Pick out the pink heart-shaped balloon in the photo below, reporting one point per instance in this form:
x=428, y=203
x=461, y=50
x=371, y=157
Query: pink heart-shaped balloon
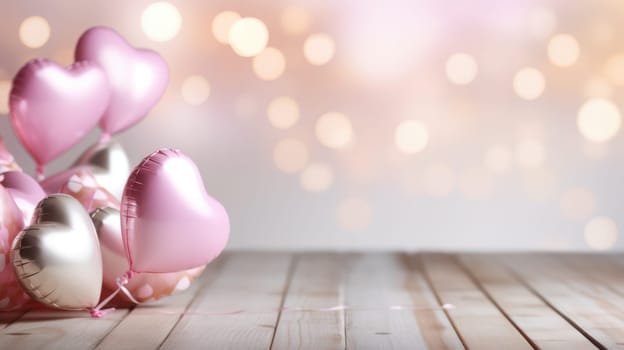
x=25, y=191
x=168, y=221
x=7, y=162
x=12, y=297
x=52, y=107
x=138, y=77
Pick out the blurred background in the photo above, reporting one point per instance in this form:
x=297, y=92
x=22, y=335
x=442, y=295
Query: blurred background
x=343, y=125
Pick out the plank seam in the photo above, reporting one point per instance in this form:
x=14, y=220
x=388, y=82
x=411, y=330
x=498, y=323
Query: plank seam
x=420, y=266
x=555, y=309
x=289, y=277
x=487, y=294
x=199, y=291
x=605, y=283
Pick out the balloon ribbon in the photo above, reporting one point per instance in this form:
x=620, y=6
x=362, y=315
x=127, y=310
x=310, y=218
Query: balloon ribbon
x=122, y=281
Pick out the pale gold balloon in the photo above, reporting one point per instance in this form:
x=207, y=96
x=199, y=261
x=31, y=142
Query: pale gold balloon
x=57, y=259
x=143, y=286
x=109, y=164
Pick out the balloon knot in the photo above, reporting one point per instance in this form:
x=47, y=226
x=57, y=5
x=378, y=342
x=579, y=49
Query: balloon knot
x=123, y=279
x=105, y=137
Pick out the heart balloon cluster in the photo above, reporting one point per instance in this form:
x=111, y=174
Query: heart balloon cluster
x=74, y=239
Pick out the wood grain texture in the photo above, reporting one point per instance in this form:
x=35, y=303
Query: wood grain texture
x=308, y=320
x=595, y=309
x=432, y=320
x=239, y=309
x=390, y=307
x=156, y=320
x=360, y=301
x=479, y=322
x=48, y=329
x=545, y=327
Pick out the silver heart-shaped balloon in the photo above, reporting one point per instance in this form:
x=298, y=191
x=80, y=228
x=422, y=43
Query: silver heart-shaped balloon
x=57, y=259
x=109, y=164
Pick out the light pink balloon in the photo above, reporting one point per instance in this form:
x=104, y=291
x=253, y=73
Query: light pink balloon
x=168, y=221
x=138, y=77
x=83, y=186
x=142, y=286
x=24, y=190
x=54, y=183
x=12, y=297
x=7, y=162
x=52, y=107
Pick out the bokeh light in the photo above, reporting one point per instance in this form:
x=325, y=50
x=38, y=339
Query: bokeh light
x=248, y=36
x=195, y=90
x=269, y=64
x=530, y=153
x=601, y=233
x=5, y=89
x=498, y=159
x=161, y=21
x=529, y=83
x=290, y=155
x=295, y=20
x=319, y=49
x=438, y=180
x=354, y=214
x=577, y=203
x=563, y=50
x=221, y=25
x=334, y=130
x=599, y=120
x=34, y=32
x=614, y=69
x=283, y=112
x=316, y=177
x=411, y=136
x=461, y=68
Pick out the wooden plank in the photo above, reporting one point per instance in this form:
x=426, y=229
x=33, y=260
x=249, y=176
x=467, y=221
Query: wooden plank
x=147, y=325
x=313, y=315
x=432, y=319
x=601, y=268
x=51, y=329
x=594, y=309
x=479, y=322
x=390, y=307
x=239, y=309
x=545, y=327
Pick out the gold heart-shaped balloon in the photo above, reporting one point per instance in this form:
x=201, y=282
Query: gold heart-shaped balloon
x=57, y=258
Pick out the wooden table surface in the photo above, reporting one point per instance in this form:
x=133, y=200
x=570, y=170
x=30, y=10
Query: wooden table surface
x=360, y=301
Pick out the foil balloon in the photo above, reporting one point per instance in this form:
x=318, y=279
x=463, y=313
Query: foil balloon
x=57, y=259
x=12, y=297
x=143, y=286
x=24, y=190
x=138, y=77
x=168, y=221
x=52, y=107
x=106, y=161
x=84, y=187
x=109, y=164
x=7, y=162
